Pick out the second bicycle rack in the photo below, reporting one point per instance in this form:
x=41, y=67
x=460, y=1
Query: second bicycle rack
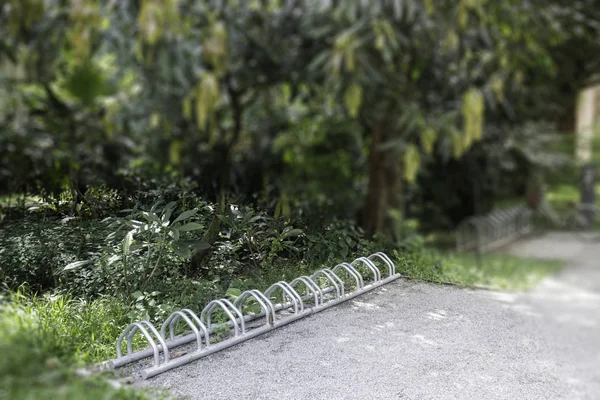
x=493, y=230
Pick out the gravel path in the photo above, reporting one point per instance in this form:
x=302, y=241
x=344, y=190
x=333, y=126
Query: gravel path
x=419, y=341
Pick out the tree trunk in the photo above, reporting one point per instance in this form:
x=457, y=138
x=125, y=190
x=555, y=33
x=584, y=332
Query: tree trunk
x=586, y=127
x=224, y=149
x=565, y=121
x=74, y=187
x=373, y=215
x=385, y=187
x=212, y=233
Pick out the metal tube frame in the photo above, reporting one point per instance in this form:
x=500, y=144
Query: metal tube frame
x=493, y=230
x=322, y=297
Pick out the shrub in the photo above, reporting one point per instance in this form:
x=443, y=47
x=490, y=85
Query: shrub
x=33, y=252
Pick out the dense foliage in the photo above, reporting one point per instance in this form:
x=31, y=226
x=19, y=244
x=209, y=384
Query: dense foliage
x=327, y=105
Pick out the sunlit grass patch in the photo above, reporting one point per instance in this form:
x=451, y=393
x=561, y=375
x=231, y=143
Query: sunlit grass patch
x=494, y=271
x=74, y=330
x=12, y=200
x=43, y=340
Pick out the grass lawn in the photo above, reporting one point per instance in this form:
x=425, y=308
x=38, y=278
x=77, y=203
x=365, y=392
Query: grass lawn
x=563, y=183
x=560, y=195
x=495, y=271
x=43, y=338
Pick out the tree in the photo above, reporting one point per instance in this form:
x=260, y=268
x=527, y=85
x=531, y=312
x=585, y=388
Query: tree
x=411, y=75
x=211, y=90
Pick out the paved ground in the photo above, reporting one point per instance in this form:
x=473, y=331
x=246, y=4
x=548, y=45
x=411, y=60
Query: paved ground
x=418, y=341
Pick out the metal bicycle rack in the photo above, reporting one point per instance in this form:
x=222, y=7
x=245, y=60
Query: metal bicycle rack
x=324, y=289
x=493, y=230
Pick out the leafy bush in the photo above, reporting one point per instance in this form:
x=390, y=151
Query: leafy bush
x=100, y=202
x=85, y=258
x=146, y=256
x=338, y=240
x=34, y=252
x=250, y=239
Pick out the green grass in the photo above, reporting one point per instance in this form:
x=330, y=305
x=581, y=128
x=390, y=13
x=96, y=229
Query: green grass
x=18, y=200
x=57, y=382
x=441, y=239
x=507, y=203
x=564, y=182
x=561, y=196
x=495, y=271
x=567, y=144
x=79, y=331
x=43, y=339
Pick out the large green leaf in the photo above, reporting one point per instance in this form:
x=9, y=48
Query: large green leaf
x=76, y=264
x=185, y=215
x=182, y=250
x=127, y=242
x=168, y=211
x=288, y=232
x=190, y=226
x=86, y=82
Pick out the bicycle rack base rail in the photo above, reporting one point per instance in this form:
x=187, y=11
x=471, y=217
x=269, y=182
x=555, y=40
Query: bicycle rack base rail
x=362, y=275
